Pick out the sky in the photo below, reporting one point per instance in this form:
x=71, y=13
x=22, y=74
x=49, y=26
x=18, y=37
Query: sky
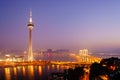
x=69, y=24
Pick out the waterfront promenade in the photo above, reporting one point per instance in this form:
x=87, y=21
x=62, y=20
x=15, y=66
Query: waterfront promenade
x=26, y=63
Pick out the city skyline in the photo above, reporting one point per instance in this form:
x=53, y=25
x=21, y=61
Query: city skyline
x=61, y=24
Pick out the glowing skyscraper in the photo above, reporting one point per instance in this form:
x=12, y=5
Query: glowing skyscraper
x=30, y=27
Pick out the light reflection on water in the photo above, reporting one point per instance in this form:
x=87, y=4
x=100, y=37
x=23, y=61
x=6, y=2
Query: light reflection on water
x=7, y=74
x=15, y=71
x=23, y=70
x=40, y=70
x=30, y=72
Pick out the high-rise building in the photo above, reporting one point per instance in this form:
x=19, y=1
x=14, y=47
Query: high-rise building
x=30, y=27
x=83, y=52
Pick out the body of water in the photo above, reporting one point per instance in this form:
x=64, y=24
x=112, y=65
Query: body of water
x=30, y=72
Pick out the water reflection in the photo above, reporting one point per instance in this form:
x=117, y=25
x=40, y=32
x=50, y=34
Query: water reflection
x=40, y=72
x=23, y=70
x=58, y=67
x=7, y=74
x=15, y=71
x=53, y=66
x=31, y=72
x=48, y=67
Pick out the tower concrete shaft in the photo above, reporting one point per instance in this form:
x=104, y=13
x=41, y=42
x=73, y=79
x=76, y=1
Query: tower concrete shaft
x=30, y=27
x=30, y=54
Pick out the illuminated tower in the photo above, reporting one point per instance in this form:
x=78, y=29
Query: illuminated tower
x=30, y=27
